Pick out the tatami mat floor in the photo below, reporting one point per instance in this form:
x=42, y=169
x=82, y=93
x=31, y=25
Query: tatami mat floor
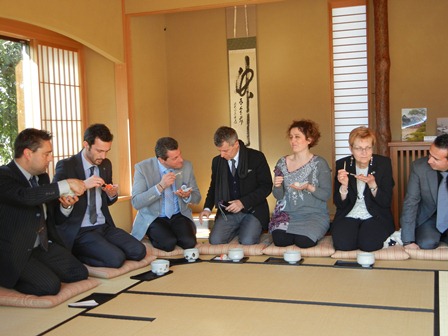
x=410, y=298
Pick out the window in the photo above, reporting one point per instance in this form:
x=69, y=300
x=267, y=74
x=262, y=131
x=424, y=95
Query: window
x=60, y=106
x=350, y=70
x=49, y=93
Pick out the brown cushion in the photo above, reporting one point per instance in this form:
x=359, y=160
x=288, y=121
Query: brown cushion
x=256, y=249
x=439, y=253
x=11, y=297
x=396, y=252
x=128, y=266
x=324, y=248
x=161, y=253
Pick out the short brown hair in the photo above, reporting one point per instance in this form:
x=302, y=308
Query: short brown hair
x=30, y=138
x=309, y=128
x=225, y=133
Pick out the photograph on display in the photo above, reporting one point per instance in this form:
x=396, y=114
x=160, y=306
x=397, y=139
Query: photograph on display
x=413, y=124
x=442, y=126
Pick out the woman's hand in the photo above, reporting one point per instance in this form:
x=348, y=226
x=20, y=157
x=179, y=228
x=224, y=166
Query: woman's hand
x=369, y=180
x=278, y=180
x=303, y=186
x=343, y=177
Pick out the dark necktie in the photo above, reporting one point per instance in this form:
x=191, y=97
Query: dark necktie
x=42, y=229
x=92, y=200
x=442, y=204
x=233, y=167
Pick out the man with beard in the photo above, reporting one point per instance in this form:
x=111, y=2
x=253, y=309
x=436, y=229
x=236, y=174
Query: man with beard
x=87, y=227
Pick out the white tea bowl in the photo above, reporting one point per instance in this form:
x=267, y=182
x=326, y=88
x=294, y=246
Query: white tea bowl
x=191, y=254
x=236, y=254
x=365, y=259
x=160, y=266
x=292, y=257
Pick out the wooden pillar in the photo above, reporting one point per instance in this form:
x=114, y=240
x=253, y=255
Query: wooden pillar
x=382, y=69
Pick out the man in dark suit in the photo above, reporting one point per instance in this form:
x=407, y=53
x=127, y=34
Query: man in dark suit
x=241, y=181
x=32, y=259
x=87, y=227
x=421, y=223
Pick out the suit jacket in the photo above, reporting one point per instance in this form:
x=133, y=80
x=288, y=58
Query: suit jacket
x=379, y=206
x=255, y=182
x=68, y=227
x=19, y=219
x=147, y=200
x=420, y=202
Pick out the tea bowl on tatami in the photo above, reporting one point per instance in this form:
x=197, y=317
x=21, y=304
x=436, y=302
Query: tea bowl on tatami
x=365, y=259
x=160, y=266
x=236, y=254
x=292, y=257
x=191, y=254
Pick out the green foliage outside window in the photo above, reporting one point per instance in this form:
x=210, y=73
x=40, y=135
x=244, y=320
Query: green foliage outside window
x=10, y=56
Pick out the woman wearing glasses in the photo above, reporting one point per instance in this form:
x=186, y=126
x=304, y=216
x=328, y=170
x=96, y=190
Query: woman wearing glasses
x=363, y=195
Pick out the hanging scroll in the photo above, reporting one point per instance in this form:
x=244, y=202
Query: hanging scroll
x=243, y=85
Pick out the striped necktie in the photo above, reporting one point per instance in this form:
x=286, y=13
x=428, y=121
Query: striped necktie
x=42, y=229
x=92, y=200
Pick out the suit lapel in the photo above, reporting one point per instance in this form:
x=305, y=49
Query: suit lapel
x=433, y=183
x=16, y=171
x=372, y=166
x=79, y=169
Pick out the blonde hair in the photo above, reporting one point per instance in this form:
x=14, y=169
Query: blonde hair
x=361, y=132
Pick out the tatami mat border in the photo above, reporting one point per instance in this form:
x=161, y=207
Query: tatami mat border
x=119, y=317
x=129, y=290
x=436, y=304
x=333, y=266
x=300, y=302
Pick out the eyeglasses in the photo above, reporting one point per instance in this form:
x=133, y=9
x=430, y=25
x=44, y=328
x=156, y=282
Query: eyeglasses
x=362, y=149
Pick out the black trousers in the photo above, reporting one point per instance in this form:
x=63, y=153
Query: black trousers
x=364, y=234
x=282, y=238
x=165, y=233
x=107, y=246
x=45, y=270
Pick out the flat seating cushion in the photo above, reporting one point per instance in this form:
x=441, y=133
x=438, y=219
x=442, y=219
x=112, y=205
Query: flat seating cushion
x=13, y=298
x=324, y=248
x=439, y=253
x=396, y=252
x=161, y=253
x=249, y=250
x=128, y=266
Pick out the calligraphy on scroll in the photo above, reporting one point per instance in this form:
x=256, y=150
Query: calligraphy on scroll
x=243, y=89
